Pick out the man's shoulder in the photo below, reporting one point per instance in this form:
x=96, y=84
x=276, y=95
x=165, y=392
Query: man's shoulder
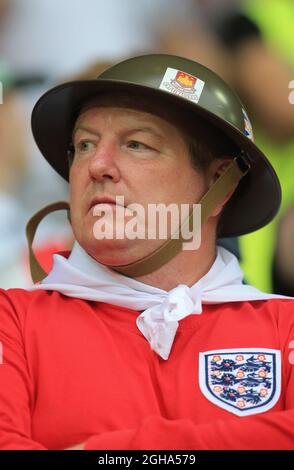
x=281, y=309
x=20, y=307
x=271, y=305
x=279, y=302
x=275, y=303
x=20, y=293
x=18, y=298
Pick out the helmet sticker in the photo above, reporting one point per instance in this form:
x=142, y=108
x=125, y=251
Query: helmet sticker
x=247, y=125
x=182, y=84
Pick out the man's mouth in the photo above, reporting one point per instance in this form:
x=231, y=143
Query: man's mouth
x=105, y=203
x=102, y=200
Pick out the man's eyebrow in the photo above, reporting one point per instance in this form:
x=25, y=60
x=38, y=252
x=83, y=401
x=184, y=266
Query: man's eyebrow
x=84, y=128
x=148, y=129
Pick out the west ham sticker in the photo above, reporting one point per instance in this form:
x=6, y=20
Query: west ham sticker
x=247, y=126
x=242, y=381
x=182, y=84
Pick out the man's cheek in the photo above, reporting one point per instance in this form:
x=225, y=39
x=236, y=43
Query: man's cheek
x=75, y=193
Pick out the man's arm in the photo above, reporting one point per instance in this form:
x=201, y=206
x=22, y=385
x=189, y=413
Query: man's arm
x=271, y=431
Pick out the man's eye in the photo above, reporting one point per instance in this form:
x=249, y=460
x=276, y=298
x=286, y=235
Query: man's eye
x=134, y=144
x=84, y=146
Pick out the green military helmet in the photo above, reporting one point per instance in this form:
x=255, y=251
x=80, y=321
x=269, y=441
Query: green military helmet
x=180, y=83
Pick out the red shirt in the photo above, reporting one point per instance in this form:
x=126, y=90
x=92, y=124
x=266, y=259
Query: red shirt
x=76, y=370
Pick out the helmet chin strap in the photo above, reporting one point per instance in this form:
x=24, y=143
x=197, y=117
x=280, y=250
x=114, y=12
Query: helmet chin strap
x=37, y=272
x=216, y=194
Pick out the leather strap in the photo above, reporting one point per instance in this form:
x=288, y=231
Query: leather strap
x=171, y=247
x=37, y=272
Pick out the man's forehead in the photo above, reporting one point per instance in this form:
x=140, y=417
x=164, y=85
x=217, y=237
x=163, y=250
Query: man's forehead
x=133, y=101
x=135, y=108
x=119, y=100
x=140, y=103
x=96, y=101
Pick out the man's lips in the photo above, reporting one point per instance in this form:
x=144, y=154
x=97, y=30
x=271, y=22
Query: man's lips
x=102, y=200
x=108, y=202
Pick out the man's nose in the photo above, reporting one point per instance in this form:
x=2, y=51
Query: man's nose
x=103, y=164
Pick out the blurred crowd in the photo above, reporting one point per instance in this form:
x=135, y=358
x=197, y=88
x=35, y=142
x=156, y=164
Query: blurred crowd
x=249, y=43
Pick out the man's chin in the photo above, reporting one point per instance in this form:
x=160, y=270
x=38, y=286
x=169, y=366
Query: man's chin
x=117, y=252
x=108, y=252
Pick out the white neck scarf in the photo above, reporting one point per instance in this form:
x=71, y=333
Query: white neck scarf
x=82, y=277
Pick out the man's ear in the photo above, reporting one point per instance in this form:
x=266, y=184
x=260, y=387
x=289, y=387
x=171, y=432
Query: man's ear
x=216, y=168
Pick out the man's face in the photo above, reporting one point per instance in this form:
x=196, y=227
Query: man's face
x=130, y=153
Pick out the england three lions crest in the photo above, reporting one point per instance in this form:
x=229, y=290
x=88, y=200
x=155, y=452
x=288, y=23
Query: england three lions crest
x=242, y=381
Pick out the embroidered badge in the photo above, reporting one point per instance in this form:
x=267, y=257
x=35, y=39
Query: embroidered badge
x=242, y=381
x=247, y=126
x=182, y=84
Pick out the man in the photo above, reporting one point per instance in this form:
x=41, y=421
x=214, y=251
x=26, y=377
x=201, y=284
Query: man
x=139, y=343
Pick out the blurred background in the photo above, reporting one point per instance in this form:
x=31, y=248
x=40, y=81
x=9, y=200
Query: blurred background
x=250, y=43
